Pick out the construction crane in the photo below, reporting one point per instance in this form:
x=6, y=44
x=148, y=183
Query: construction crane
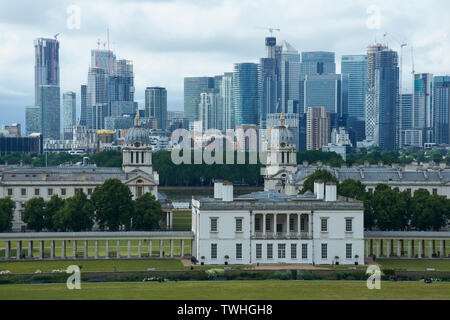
x=56, y=36
x=271, y=30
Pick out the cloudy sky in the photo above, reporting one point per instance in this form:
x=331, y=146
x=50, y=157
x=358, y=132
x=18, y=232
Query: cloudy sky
x=168, y=40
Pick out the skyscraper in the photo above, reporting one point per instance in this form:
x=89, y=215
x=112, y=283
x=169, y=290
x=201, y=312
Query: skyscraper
x=382, y=96
x=409, y=136
x=121, y=88
x=290, y=75
x=317, y=128
x=226, y=94
x=97, y=92
x=423, y=113
x=208, y=108
x=355, y=66
x=193, y=86
x=46, y=68
x=50, y=111
x=32, y=119
x=317, y=62
x=156, y=105
x=245, y=94
x=441, y=103
x=104, y=59
x=69, y=114
x=83, y=103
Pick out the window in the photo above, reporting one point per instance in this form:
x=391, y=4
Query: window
x=370, y=190
x=257, y=224
x=435, y=192
x=37, y=192
x=142, y=157
x=238, y=251
x=293, y=251
x=213, y=251
x=291, y=224
x=213, y=224
x=10, y=192
x=63, y=192
x=270, y=251
x=304, y=251
x=258, y=251
x=324, y=251
x=348, y=250
x=281, y=251
x=131, y=156
x=139, y=191
x=239, y=225
x=409, y=191
x=348, y=225
x=50, y=191
x=302, y=224
x=324, y=225
x=89, y=191
x=267, y=224
x=23, y=192
x=77, y=189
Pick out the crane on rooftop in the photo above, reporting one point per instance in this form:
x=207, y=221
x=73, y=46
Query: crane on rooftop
x=271, y=30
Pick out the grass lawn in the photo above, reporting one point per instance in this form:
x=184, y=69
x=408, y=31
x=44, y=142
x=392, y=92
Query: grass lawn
x=414, y=264
x=234, y=290
x=93, y=265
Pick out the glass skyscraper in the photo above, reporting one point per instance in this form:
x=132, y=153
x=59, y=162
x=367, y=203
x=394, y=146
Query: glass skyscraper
x=83, y=103
x=69, y=114
x=245, y=94
x=32, y=119
x=317, y=62
x=156, y=105
x=355, y=66
x=50, y=111
x=441, y=104
x=46, y=68
x=121, y=89
x=97, y=92
x=423, y=113
x=193, y=86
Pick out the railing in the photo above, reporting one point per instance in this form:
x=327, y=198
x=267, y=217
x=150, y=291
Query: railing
x=281, y=235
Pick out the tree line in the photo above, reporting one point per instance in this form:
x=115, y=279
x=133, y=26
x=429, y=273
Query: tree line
x=111, y=207
x=388, y=209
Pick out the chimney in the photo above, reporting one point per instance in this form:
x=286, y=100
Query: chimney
x=44, y=176
x=83, y=175
x=227, y=192
x=85, y=161
x=218, y=189
x=330, y=192
x=319, y=189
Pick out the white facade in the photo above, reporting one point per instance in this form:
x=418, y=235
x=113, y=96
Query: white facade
x=273, y=228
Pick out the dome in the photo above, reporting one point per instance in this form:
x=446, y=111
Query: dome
x=137, y=134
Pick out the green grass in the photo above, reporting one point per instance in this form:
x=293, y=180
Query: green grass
x=414, y=264
x=93, y=265
x=234, y=290
x=182, y=220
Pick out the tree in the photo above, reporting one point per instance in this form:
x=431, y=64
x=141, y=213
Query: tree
x=7, y=207
x=147, y=213
x=352, y=189
x=429, y=212
x=113, y=205
x=77, y=214
x=323, y=175
x=390, y=208
x=52, y=207
x=34, y=214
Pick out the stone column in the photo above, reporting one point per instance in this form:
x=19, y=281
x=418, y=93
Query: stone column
x=419, y=249
x=150, y=253
x=264, y=225
x=118, y=249
x=86, y=253
x=74, y=249
x=107, y=249
x=52, y=249
x=18, y=249
x=63, y=249
x=275, y=222
x=161, y=246
x=430, y=249
x=388, y=248
x=441, y=249
x=182, y=248
x=378, y=247
x=171, y=248
x=30, y=249
x=41, y=249
x=96, y=249
x=140, y=249
x=299, y=226
x=129, y=249
x=409, y=249
x=7, y=249
x=399, y=253
x=371, y=247
x=366, y=248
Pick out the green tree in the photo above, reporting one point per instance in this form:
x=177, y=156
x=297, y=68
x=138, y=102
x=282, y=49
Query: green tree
x=76, y=214
x=352, y=189
x=6, y=214
x=323, y=175
x=390, y=208
x=52, y=207
x=113, y=204
x=429, y=212
x=147, y=213
x=34, y=214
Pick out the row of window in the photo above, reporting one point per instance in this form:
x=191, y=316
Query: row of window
x=137, y=157
x=348, y=225
x=238, y=225
x=50, y=191
x=281, y=251
x=279, y=229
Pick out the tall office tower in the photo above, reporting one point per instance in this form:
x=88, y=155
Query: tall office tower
x=268, y=81
x=121, y=88
x=441, y=104
x=219, y=102
x=317, y=128
x=83, y=103
x=193, y=86
x=69, y=114
x=156, y=105
x=32, y=119
x=382, y=97
x=423, y=113
x=97, y=92
x=226, y=94
x=99, y=113
x=290, y=76
x=331, y=92
x=104, y=59
x=409, y=136
x=50, y=112
x=46, y=68
x=208, y=108
x=245, y=94
x=355, y=66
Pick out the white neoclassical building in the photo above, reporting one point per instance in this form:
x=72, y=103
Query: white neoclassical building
x=22, y=183
x=274, y=228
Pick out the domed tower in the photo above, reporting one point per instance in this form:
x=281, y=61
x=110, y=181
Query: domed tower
x=281, y=157
x=137, y=153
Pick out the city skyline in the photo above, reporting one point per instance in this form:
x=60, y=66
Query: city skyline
x=187, y=49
